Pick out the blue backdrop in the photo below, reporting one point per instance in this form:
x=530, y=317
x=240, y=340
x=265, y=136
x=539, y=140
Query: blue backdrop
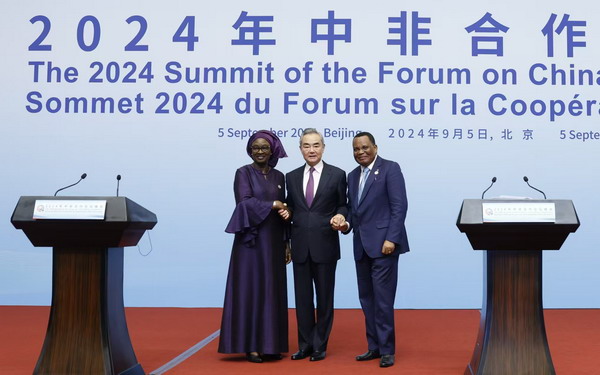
x=166, y=93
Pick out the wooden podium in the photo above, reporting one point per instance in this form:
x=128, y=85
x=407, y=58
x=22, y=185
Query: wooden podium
x=87, y=330
x=512, y=335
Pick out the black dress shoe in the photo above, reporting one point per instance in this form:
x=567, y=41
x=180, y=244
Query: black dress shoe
x=300, y=354
x=369, y=355
x=387, y=360
x=317, y=356
x=254, y=358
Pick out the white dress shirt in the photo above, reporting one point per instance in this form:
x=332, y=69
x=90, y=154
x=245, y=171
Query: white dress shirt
x=362, y=170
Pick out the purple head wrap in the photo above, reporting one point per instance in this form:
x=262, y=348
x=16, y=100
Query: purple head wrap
x=277, y=150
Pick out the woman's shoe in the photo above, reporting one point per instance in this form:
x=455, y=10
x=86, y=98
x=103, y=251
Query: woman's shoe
x=254, y=358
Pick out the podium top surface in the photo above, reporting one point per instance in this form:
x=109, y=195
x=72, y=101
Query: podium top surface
x=517, y=235
x=471, y=211
x=124, y=223
x=118, y=209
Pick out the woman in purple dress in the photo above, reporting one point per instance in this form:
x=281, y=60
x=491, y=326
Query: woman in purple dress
x=255, y=318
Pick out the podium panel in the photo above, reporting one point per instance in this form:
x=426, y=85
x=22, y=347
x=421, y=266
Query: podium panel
x=512, y=335
x=87, y=330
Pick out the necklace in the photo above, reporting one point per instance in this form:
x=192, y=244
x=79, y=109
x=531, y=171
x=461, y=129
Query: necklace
x=264, y=172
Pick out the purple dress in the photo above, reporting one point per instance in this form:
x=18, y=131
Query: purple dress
x=255, y=315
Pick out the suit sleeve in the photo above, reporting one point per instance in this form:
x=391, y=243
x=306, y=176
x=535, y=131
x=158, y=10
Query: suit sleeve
x=349, y=208
x=289, y=199
x=342, y=201
x=396, y=191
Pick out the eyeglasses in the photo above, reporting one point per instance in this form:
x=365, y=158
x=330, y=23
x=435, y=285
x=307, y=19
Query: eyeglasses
x=264, y=149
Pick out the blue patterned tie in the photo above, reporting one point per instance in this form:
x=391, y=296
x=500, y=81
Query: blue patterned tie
x=361, y=186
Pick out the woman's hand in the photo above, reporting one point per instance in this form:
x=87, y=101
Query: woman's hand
x=279, y=205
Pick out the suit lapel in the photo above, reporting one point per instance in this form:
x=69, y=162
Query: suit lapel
x=299, y=189
x=372, y=176
x=325, y=176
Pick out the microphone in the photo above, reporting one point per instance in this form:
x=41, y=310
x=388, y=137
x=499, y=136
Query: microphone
x=118, y=181
x=66, y=187
x=489, y=187
x=527, y=181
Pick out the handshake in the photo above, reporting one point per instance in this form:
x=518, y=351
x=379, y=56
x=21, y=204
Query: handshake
x=338, y=222
x=282, y=209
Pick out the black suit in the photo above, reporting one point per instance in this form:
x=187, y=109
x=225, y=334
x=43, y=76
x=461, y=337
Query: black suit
x=315, y=251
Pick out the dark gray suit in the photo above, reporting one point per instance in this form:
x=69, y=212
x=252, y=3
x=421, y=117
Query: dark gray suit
x=315, y=251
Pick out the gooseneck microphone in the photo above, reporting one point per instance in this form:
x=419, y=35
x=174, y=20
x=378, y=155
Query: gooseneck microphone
x=489, y=187
x=66, y=187
x=118, y=181
x=534, y=188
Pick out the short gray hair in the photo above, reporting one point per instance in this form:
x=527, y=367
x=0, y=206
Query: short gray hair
x=311, y=131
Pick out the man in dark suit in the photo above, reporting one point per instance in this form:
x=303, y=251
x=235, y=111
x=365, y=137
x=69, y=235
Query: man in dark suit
x=377, y=207
x=317, y=198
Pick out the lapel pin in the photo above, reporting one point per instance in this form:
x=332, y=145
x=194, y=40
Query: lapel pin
x=279, y=186
x=376, y=172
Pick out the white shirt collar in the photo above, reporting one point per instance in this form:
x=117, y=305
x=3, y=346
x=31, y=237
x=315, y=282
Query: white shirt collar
x=370, y=166
x=318, y=167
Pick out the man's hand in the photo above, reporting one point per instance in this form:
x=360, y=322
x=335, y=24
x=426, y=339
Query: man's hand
x=284, y=213
x=338, y=222
x=388, y=247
